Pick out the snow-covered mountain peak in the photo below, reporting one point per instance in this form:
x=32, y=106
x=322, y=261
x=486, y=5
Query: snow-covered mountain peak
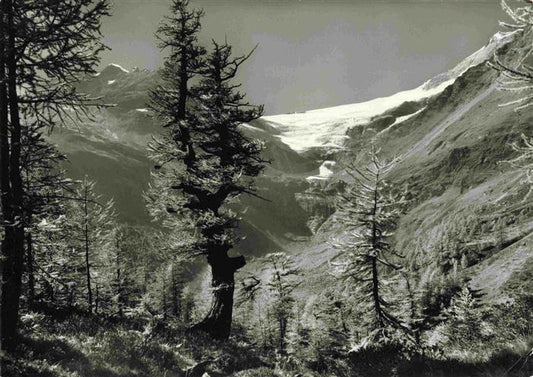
x=112, y=70
x=326, y=128
x=118, y=67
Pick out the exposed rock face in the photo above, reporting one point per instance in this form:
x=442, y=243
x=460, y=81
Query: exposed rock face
x=325, y=173
x=318, y=201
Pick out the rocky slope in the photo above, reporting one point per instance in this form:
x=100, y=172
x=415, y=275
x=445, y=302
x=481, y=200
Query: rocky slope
x=452, y=149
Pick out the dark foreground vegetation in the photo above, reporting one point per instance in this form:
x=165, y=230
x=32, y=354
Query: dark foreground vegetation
x=476, y=341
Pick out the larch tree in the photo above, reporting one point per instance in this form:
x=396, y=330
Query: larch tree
x=368, y=212
x=525, y=161
x=204, y=161
x=127, y=261
x=518, y=78
x=91, y=222
x=55, y=263
x=283, y=281
x=228, y=161
x=45, y=189
x=45, y=46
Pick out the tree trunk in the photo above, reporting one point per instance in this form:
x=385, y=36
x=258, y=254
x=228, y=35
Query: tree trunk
x=375, y=294
x=119, y=292
x=97, y=300
x=31, y=276
x=7, y=316
x=13, y=244
x=175, y=292
x=183, y=87
x=282, y=333
x=87, y=257
x=217, y=322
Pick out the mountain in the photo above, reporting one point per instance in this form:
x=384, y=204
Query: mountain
x=451, y=134
x=452, y=137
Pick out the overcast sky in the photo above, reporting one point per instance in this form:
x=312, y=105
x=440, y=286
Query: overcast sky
x=315, y=54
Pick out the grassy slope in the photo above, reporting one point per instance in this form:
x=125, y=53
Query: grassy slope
x=83, y=346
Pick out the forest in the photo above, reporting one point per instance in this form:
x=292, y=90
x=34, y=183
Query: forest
x=404, y=267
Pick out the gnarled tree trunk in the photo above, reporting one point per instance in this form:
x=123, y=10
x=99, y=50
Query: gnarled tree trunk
x=217, y=322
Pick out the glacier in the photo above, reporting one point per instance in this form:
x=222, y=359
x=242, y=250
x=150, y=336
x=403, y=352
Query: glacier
x=326, y=128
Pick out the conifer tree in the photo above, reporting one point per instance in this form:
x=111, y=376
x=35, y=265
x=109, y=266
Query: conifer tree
x=368, y=211
x=45, y=46
x=56, y=263
x=134, y=255
x=524, y=161
x=281, y=285
x=227, y=162
x=517, y=78
x=203, y=161
x=465, y=328
x=45, y=190
x=250, y=288
x=90, y=224
x=121, y=281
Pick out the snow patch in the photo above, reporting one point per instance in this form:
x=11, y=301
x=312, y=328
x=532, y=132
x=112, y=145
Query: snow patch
x=401, y=120
x=325, y=172
x=111, y=82
x=142, y=110
x=119, y=67
x=250, y=127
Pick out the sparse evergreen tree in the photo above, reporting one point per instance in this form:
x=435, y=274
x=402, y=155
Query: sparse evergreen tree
x=170, y=290
x=119, y=283
x=45, y=188
x=178, y=34
x=247, y=300
x=204, y=161
x=427, y=297
x=227, y=163
x=57, y=265
x=524, y=161
x=282, y=283
x=126, y=282
x=368, y=211
x=331, y=324
x=90, y=224
x=465, y=328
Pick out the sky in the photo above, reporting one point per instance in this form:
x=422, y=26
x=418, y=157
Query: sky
x=314, y=54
